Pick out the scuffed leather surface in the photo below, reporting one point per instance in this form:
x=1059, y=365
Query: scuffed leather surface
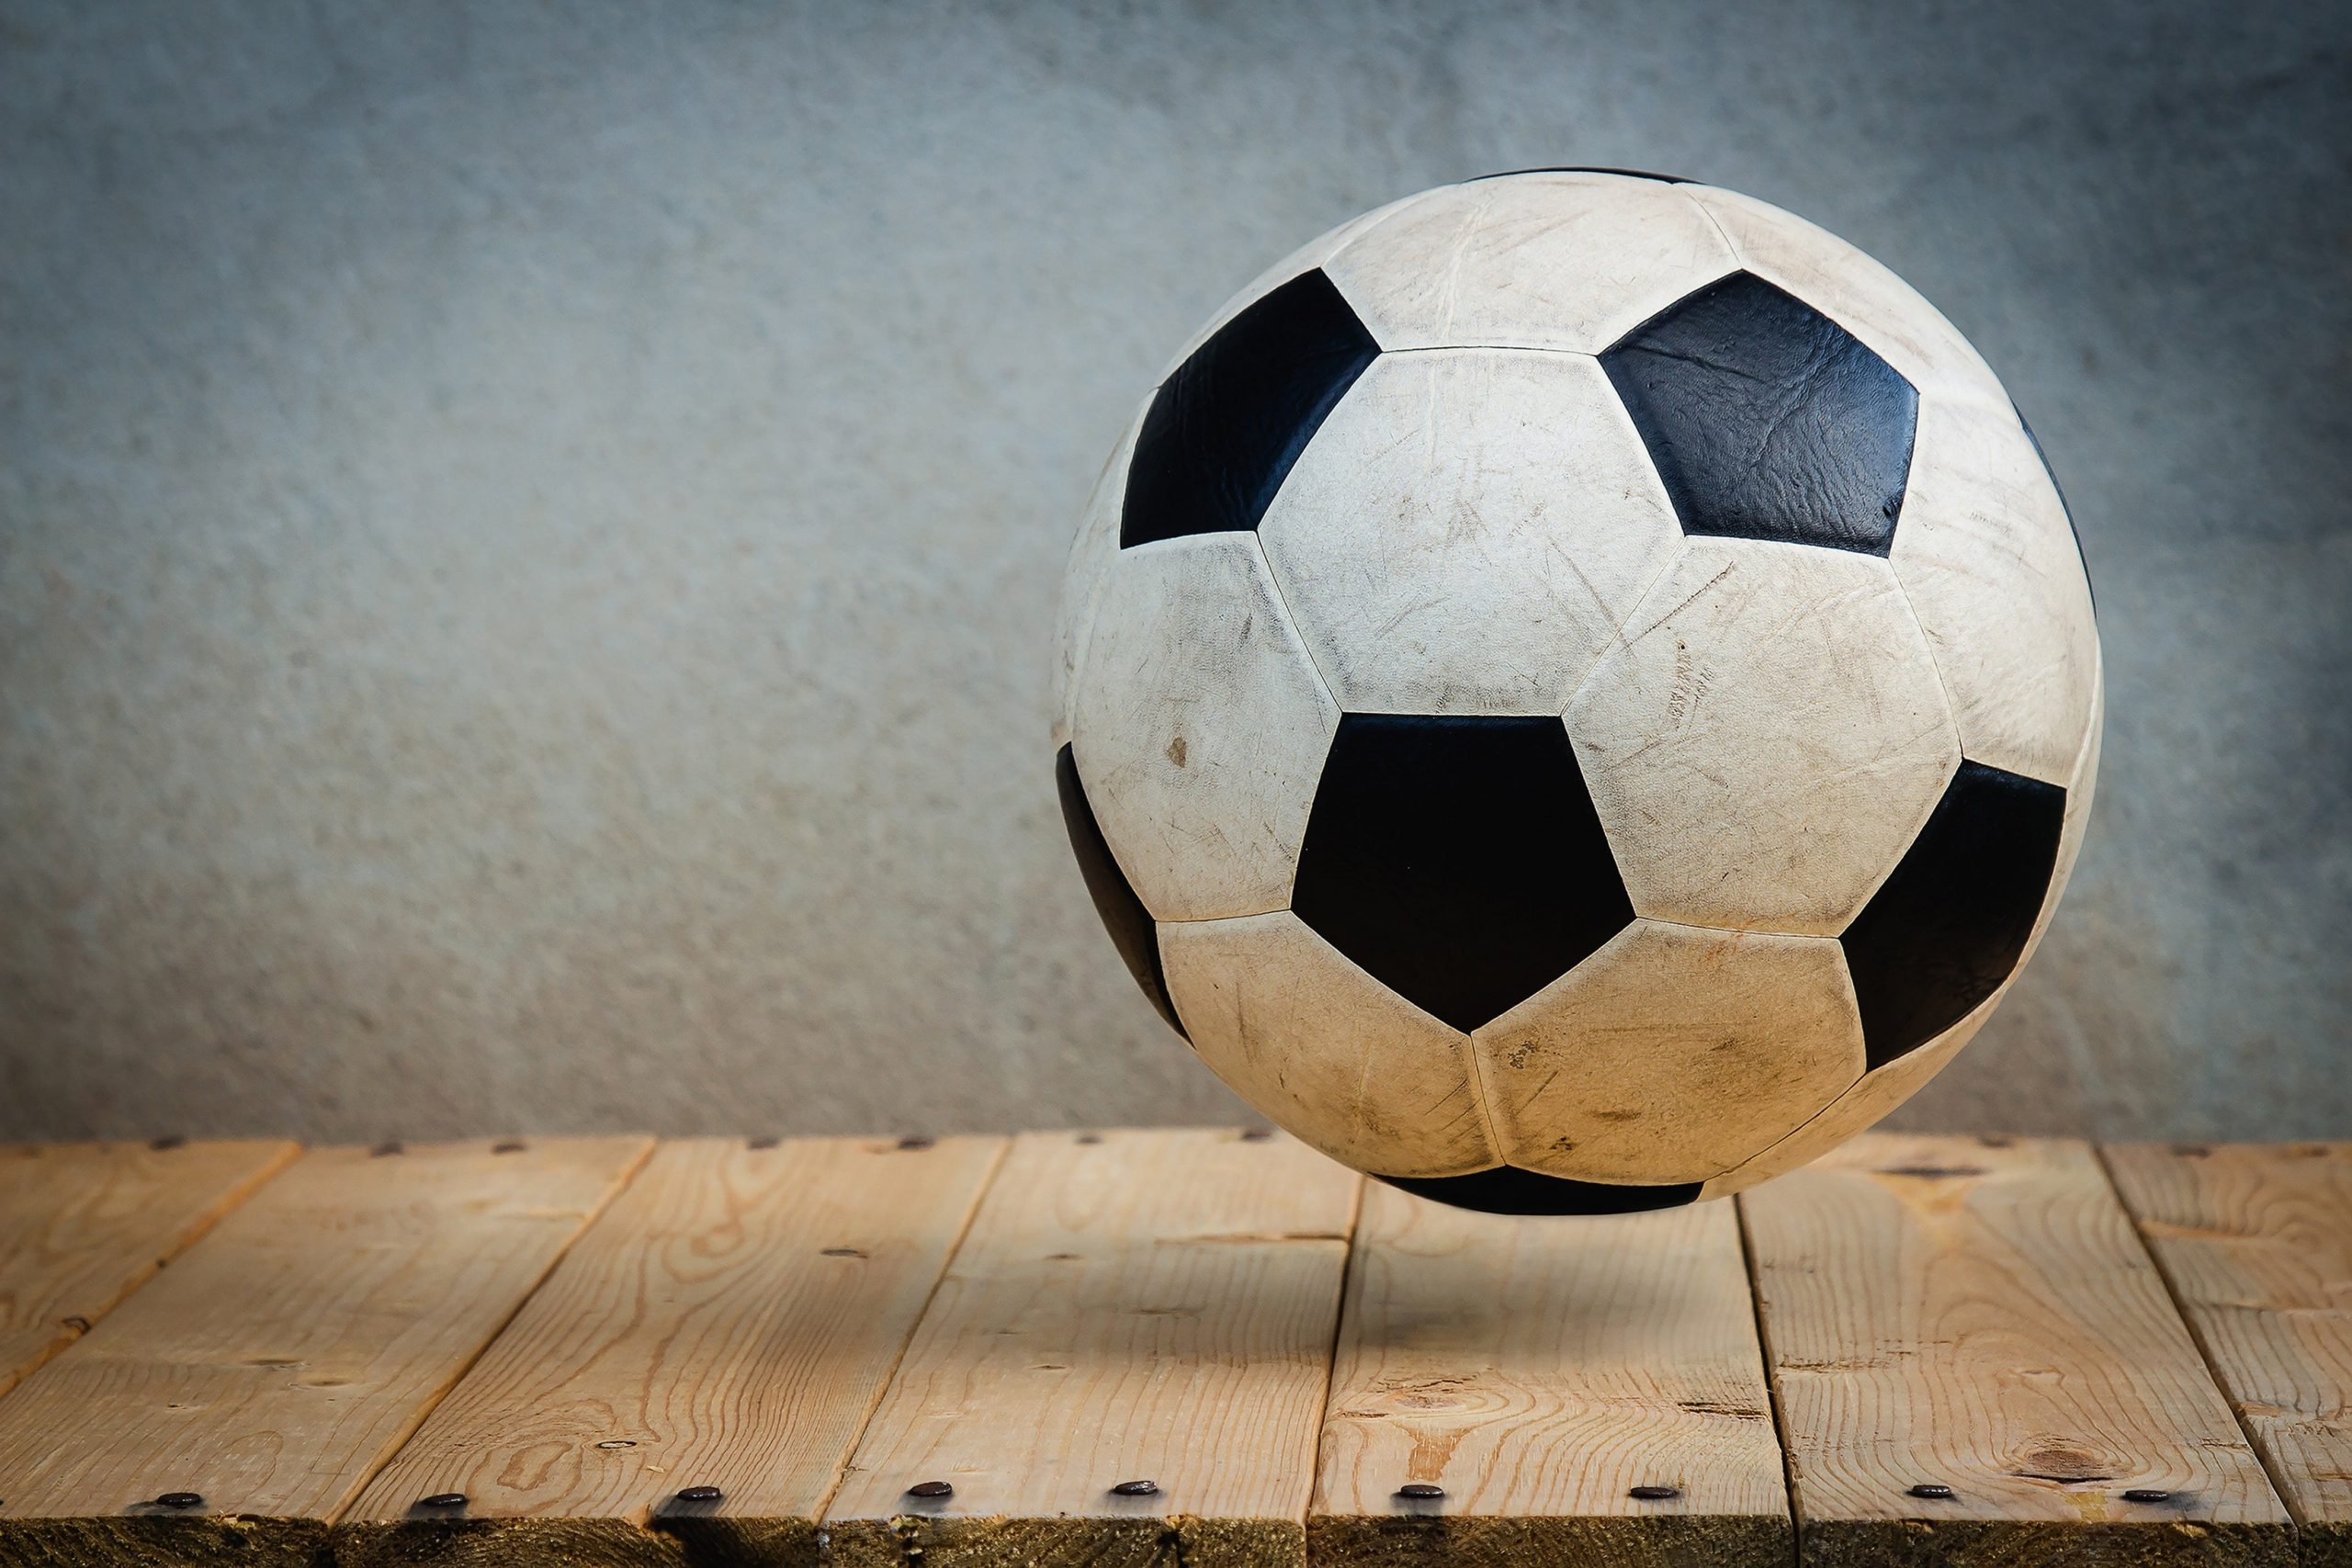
x=1458, y=860
x=1131, y=929
x=1226, y=428
x=1949, y=925
x=1767, y=419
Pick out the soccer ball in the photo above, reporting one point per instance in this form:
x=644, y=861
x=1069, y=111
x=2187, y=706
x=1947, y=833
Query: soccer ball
x=1578, y=693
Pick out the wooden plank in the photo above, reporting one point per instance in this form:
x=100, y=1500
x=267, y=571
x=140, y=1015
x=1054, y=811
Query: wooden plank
x=284, y=1357
x=81, y=1225
x=1538, y=1370
x=2256, y=1244
x=728, y=1322
x=1128, y=1307
x=1979, y=1314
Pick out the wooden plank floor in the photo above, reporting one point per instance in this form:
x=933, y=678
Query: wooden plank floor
x=729, y=1326
x=1183, y=1348
x=2257, y=1245
x=1979, y=1320
x=1145, y=1308
x=84, y=1224
x=235, y=1407
x=1580, y=1392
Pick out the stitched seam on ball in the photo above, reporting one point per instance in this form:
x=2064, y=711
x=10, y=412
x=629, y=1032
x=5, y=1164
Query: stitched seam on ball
x=1298, y=630
x=1952, y=719
x=1835, y=1101
x=1951, y=704
x=1491, y=348
x=1739, y=258
x=1482, y=1098
x=1082, y=633
x=1617, y=639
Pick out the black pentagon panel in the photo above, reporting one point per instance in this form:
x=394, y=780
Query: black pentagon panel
x=1131, y=929
x=1589, y=169
x=1949, y=925
x=1224, y=430
x=1508, y=1189
x=2075, y=534
x=1767, y=420
x=1458, y=860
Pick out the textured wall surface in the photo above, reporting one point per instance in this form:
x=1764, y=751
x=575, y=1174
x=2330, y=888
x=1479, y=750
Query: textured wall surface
x=528, y=533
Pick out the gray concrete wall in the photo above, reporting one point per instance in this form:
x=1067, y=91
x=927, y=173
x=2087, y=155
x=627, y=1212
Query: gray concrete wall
x=528, y=532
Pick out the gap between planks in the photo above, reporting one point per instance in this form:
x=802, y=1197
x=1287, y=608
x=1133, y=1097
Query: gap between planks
x=284, y=1358
x=1977, y=1364
x=1125, y=1307
x=83, y=1225
x=2254, y=1244
x=730, y=1324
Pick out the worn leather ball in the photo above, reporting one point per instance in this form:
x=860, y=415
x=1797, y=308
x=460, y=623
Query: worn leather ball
x=1578, y=693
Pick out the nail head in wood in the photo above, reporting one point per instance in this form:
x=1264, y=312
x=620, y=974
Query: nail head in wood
x=617, y=1443
x=167, y=1143
x=699, y=1494
x=930, y=1489
x=760, y=1142
x=1416, y=1491
x=916, y=1143
x=443, y=1500
x=507, y=1147
x=180, y=1500
x=2147, y=1495
x=1654, y=1493
x=1136, y=1489
x=1934, y=1491
x=1256, y=1135
x=393, y=1146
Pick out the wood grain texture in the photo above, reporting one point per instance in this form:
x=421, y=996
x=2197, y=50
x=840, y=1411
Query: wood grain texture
x=81, y=1225
x=1538, y=1369
x=2256, y=1244
x=1979, y=1314
x=1153, y=1306
x=729, y=1322
x=284, y=1357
